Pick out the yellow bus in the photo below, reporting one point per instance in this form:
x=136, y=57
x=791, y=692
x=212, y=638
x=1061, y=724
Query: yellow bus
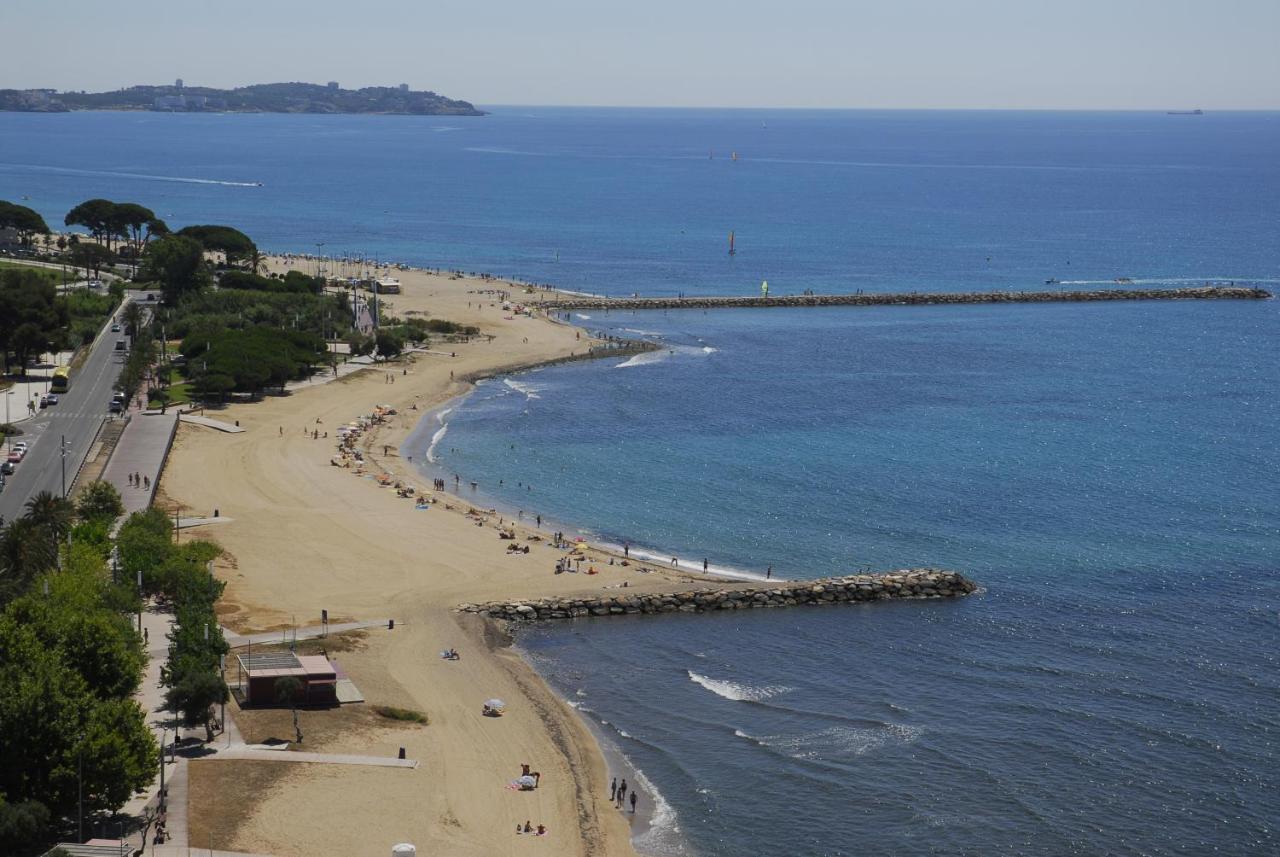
x=61, y=380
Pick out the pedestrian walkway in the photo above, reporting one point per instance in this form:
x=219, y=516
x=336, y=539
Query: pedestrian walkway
x=142, y=449
x=249, y=753
x=22, y=398
x=286, y=635
x=198, y=420
x=186, y=523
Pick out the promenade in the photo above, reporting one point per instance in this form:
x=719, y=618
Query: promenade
x=142, y=449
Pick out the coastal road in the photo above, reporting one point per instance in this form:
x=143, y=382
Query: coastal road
x=77, y=416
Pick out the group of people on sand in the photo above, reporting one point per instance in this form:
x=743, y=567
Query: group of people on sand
x=540, y=830
x=618, y=794
x=137, y=480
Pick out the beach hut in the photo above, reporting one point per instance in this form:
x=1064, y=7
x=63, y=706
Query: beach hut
x=259, y=671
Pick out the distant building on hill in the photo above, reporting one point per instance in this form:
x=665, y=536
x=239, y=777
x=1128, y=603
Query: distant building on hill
x=333, y=84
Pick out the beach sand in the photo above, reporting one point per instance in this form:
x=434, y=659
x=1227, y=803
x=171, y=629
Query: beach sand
x=308, y=536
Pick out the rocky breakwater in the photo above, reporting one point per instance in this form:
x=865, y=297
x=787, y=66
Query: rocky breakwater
x=909, y=299
x=913, y=583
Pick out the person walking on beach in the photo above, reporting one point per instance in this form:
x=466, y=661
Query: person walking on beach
x=613, y=791
x=705, y=565
x=633, y=802
x=622, y=792
x=768, y=572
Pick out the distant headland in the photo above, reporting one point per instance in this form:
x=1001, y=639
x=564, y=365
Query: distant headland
x=258, y=98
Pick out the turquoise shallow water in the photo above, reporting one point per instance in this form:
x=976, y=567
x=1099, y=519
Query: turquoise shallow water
x=1108, y=472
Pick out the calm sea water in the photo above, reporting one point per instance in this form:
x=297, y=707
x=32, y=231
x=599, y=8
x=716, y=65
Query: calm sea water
x=1108, y=473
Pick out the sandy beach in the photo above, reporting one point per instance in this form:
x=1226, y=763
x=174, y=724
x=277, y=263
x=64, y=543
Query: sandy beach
x=307, y=536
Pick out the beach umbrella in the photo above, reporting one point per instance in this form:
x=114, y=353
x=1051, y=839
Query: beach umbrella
x=495, y=704
x=526, y=782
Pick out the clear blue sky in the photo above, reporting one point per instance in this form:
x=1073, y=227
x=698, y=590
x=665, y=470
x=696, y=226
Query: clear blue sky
x=1106, y=54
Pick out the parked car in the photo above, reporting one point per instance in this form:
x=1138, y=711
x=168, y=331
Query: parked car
x=15, y=457
x=7, y=468
x=20, y=446
x=53, y=398
x=115, y=328
x=116, y=406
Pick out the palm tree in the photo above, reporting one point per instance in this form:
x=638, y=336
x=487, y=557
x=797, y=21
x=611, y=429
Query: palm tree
x=25, y=553
x=132, y=317
x=52, y=514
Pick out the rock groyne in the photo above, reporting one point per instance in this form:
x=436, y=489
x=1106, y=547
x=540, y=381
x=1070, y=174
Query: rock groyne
x=909, y=583
x=909, y=299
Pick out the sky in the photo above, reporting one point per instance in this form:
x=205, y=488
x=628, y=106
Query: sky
x=982, y=54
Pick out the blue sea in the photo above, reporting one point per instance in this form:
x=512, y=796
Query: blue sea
x=1108, y=473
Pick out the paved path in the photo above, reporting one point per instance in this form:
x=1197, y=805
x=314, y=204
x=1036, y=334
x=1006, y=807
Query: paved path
x=185, y=523
x=197, y=420
x=242, y=753
x=285, y=635
x=142, y=449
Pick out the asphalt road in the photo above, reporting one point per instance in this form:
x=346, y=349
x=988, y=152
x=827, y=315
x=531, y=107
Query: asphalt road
x=77, y=416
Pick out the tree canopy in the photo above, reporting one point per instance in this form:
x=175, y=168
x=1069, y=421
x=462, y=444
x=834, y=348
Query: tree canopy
x=237, y=246
x=31, y=316
x=177, y=263
x=25, y=221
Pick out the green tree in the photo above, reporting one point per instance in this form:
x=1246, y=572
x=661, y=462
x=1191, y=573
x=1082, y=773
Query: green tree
x=31, y=316
x=237, y=246
x=194, y=695
x=130, y=221
x=96, y=215
x=25, y=221
x=176, y=262
x=91, y=257
x=389, y=344
x=52, y=514
x=100, y=500
x=26, y=552
x=21, y=824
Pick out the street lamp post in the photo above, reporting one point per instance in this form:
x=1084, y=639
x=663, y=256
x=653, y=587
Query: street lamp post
x=8, y=438
x=80, y=788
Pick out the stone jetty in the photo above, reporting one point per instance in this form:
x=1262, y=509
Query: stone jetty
x=909, y=299
x=908, y=583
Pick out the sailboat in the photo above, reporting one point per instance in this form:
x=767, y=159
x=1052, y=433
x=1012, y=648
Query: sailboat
x=734, y=156
x=732, y=251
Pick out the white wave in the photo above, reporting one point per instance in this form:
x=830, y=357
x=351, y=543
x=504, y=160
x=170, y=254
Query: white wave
x=644, y=358
x=583, y=316
x=530, y=391
x=663, y=824
x=735, y=691
x=624, y=733
x=439, y=435
x=707, y=349
x=435, y=441
x=836, y=740
x=640, y=332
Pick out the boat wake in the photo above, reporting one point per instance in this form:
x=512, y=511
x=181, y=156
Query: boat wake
x=140, y=176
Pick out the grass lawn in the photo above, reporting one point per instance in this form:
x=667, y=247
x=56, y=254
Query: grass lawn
x=53, y=275
x=179, y=390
